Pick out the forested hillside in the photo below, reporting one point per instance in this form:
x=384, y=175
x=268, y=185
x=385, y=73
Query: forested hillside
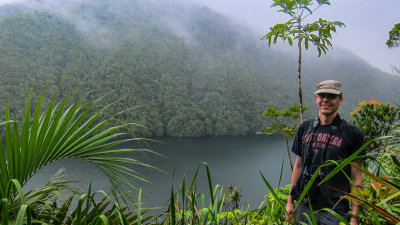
x=188, y=70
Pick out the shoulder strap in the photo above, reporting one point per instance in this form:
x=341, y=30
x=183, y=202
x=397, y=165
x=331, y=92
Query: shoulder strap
x=312, y=127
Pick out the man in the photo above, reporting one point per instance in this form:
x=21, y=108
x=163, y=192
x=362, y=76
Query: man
x=328, y=137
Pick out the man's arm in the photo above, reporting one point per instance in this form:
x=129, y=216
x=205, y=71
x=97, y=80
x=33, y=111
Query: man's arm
x=357, y=178
x=297, y=168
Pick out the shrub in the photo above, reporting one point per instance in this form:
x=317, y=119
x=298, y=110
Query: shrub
x=376, y=120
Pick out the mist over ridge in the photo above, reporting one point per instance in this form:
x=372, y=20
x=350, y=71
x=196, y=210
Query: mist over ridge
x=192, y=71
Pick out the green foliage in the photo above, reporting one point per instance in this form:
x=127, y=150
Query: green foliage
x=204, y=77
x=180, y=88
x=61, y=131
x=191, y=206
x=324, y=30
x=284, y=122
x=394, y=36
x=393, y=42
x=270, y=211
x=379, y=198
x=232, y=197
x=51, y=204
x=376, y=120
x=277, y=205
x=319, y=33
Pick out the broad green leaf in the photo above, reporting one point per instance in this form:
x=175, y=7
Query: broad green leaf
x=308, y=9
x=290, y=40
x=306, y=43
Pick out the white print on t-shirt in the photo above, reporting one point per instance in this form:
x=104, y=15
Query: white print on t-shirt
x=323, y=139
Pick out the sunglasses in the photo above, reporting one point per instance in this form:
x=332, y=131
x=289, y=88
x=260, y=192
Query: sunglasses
x=327, y=95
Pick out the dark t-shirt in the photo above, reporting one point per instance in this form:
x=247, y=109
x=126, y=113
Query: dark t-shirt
x=329, y=142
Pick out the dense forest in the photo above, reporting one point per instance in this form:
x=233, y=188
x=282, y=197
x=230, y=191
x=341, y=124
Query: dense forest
x=180, y=70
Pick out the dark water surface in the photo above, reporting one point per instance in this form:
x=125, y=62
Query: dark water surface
x=231, y=160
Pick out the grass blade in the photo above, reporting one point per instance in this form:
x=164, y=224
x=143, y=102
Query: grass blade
x=209, y=184
x=9, y=147
x=345, y=162
x=24, y=151
x=172, y=208
x=138, y=208
x=24, y=210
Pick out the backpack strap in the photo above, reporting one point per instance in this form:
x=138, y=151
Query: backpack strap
x=312, y=127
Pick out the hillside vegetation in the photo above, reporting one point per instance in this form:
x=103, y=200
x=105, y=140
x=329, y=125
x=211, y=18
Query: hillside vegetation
x=189, y=71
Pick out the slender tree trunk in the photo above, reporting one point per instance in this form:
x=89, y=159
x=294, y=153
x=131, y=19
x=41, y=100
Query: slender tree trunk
x=288, y=152
x=299, y=75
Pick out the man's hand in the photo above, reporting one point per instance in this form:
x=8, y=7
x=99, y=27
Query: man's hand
x=354, y=221
x=290, y=210
x=297, y=169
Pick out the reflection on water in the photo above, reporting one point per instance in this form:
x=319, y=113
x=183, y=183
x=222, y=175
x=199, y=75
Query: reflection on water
x=231, y=160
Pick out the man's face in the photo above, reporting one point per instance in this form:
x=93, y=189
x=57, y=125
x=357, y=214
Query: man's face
x=328, y=104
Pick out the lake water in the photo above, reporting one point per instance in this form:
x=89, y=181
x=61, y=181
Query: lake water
x=231, y=160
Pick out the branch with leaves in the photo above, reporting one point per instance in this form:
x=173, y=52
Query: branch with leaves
x=319, y=33
x=283, y=123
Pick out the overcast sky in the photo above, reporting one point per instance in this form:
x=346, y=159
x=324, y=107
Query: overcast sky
x=367, y=23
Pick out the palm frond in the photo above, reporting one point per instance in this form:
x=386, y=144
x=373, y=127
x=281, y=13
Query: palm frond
x=63, y=131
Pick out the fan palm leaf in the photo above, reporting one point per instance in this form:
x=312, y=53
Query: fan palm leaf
x=64, y=131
